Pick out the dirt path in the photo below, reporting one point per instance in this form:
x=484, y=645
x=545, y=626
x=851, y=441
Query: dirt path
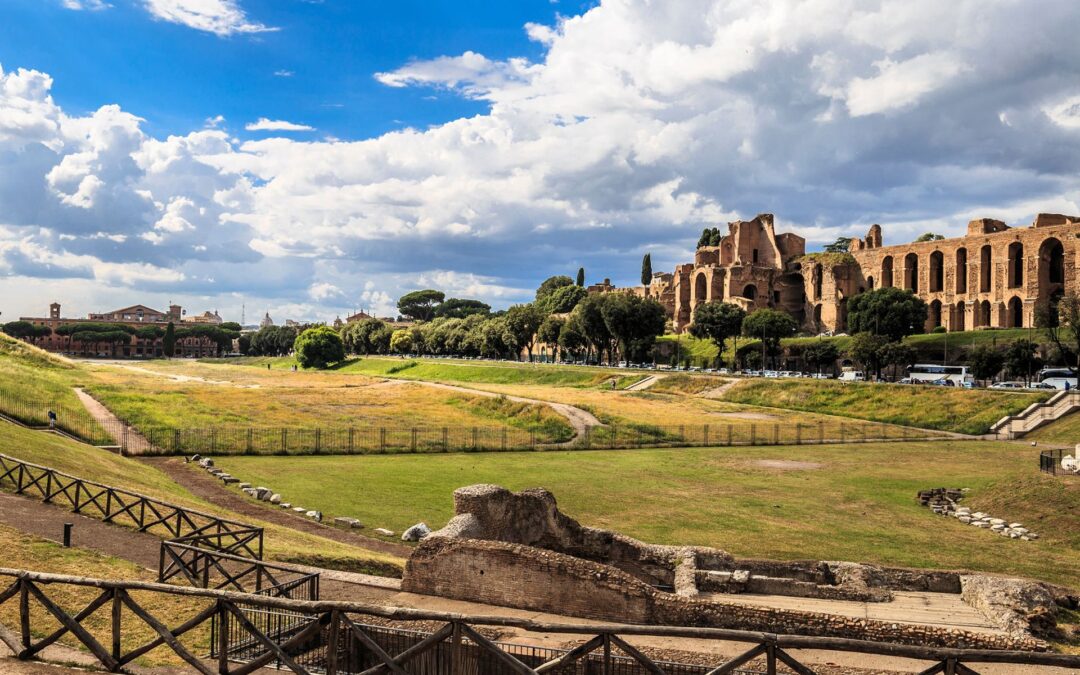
x=135, y=442
x=579, y=419
x=718, y=392
x=202, y=484
x=173, y=376
x=47, y=521
x=645, y=383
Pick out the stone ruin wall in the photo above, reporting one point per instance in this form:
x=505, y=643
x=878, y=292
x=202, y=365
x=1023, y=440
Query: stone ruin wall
x=1001, y=293
x=524, y=577
x=968, y=289
x=519, y=550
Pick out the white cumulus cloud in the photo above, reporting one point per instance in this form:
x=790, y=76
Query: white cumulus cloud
x=220, y=17
x=264, y=124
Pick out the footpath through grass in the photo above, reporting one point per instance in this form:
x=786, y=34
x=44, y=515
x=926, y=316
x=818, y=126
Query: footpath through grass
x=97, y=465
x=964, y=411
x=821, y=502
x=33, y=382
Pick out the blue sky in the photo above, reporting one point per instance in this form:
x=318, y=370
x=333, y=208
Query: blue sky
x=176, y=77
x=308, y=158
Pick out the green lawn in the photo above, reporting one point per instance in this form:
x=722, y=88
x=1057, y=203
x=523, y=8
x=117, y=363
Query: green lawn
x=853, y=503
x=965, y=411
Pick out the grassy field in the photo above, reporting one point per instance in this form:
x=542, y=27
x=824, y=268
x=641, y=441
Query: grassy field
x=22, y=551
x=192, y=395
x=943, y=408
x=80, y=460
x=838, y=502
x=447, y=370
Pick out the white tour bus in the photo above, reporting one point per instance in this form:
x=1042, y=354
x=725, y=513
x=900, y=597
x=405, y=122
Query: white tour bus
x=1057, y=377
x=929, y=372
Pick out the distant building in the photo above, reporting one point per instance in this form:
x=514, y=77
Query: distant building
x=359, y=316
x=266, y=321
x=206, y=318
x=137, y=346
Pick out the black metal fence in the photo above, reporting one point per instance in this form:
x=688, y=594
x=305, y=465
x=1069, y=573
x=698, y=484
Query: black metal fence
x=357, y=656
x=397, y=440
x=72, y=419
x=1050, y=462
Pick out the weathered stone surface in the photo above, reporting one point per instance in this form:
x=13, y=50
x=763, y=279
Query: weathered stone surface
x=314, y=515
x=416, y=532
x=345, y=521
x=1014, y=605
x=384, y=532
x=275, y=498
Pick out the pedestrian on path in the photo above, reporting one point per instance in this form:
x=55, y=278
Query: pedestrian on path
x=52, y=419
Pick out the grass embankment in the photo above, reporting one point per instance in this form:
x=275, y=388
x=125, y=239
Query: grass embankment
x=89, y=463
x=835, y=502
x=23, y=551
x=943, y=408
x=1062, y=431
x=434, y=370
x=929, y=347
x=187, y=395
x=33, y=382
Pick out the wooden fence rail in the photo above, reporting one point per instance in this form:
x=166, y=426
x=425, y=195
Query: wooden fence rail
x=328, y=625
x=206, y=568
x=116, y=505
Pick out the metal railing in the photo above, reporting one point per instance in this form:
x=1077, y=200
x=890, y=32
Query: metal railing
x=1050, y=461
x=72, y=419
x=329, y=631
x=397, y=440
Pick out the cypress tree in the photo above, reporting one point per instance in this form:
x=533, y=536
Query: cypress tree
x=581, y=277
x=168, y=345
x=646, y=269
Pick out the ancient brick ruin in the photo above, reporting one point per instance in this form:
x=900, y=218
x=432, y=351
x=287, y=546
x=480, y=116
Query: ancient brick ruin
x=995, y=276
x=519, y=550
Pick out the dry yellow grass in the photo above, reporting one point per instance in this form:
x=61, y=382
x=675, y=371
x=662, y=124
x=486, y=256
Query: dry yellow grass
x=23, y=551
x=252, y=397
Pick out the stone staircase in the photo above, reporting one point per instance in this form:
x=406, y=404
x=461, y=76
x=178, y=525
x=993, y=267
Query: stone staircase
x=1037, y=414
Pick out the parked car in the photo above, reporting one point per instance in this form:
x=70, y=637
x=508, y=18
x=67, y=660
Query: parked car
x=1007, y=385
x=1041, y=385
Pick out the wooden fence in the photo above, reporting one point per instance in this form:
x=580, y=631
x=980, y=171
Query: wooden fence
x=116, y=505
x=327, y=625
x=207, y=568
x=203, y=549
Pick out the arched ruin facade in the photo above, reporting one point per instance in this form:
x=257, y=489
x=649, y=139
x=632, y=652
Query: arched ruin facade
x=995, y=276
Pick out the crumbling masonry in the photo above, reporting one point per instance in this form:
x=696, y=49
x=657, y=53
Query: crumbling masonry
x=519, y=550
x=995, y=276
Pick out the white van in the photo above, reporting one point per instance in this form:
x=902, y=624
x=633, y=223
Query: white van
x=852, y=376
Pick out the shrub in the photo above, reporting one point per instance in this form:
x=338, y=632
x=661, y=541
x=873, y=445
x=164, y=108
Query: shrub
x=319, y=347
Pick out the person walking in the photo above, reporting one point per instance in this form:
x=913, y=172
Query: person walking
x=52, y=419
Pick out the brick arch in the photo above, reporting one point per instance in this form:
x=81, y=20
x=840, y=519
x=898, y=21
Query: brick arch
x=887, y=271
